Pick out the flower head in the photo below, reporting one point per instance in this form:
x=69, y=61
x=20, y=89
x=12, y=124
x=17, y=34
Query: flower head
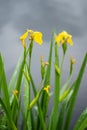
x=47, y=89
x=64, y=37
x=37, y=37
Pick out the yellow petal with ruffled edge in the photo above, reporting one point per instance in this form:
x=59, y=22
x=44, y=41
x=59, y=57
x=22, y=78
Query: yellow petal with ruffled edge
x=24, y=36
x=69, y=40
x=64, y=37
x=37, y=37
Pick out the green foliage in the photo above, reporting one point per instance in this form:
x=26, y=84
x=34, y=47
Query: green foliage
x=81, y=124
x=15, y=97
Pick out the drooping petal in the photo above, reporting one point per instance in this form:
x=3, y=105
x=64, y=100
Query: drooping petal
x=69, y=40
x=24, y=36
x=37, y=36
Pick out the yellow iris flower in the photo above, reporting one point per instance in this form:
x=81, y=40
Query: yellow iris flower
x=47, y=88
x=64, y=37
x=36, y=36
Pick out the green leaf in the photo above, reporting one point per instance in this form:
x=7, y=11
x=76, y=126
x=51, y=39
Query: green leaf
x=57, y=69
x=40, y=119
x=47, y=79
x=63, y=110
x=11, y=124
x=64, y=87
x=75, y=92
x=4, y=86
x=81, y=124
x=26, y=89
x=54, y=117
x=12, y=82
x=34, y=101
x=18, y=87
x=66, y=92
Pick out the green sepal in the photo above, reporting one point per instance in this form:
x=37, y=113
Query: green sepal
x=64, y=46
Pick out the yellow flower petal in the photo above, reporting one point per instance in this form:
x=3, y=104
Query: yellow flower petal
x=57, y=39
x=30, y=31
x=37, y=37
x=69, y=40
x=24, y=36
x=24, y=43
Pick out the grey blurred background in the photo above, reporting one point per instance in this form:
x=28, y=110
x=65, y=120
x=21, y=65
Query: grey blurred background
x=45, y=16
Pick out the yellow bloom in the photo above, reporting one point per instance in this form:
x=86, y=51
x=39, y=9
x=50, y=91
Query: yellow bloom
x=47, y=88
x=23, y=38
x=64, y=37
x=15, y=92
x=37, y=37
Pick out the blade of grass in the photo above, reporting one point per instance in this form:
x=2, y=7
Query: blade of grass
x=4, y=87
x=40, y=119
x=18, y=86
x=54, y=117
x=81, y=124
x=47, y=80
x=63, y=109
x=11, y=124
x=66, y=93
x=26, y=98
x=26, y=90
x=75, y=92
x=64, y=87
x=4, y=84
x=14, y=76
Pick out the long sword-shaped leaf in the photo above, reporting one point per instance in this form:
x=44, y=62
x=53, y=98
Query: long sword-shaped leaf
x=18, y=86
x=44, y=104
x=12, y=125
x=63, y=110
x=75, y=92
x=40, y=119
x=4, y=86
x=6, y=103
x=54, y=117
x=14, y=76
x=81, y=124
